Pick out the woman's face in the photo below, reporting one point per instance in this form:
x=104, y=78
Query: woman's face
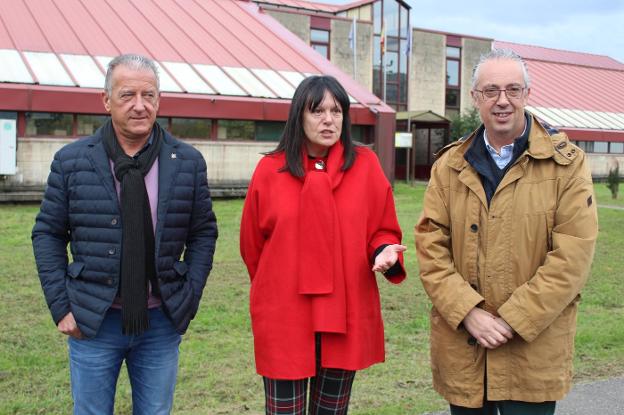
x=322, y=126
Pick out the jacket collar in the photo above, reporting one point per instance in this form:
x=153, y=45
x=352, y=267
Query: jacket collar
x=167, y=164
x=335, y=161
x=540, y=145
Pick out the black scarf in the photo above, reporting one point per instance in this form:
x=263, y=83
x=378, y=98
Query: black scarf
x=137, y=255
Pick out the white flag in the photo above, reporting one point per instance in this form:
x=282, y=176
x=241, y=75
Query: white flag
x=353, y=34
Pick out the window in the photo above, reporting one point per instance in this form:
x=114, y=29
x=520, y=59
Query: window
x=616, y=147
x=163, y=122
x=452, y=98
x=452, y=73
x=587, y=146
x=269, y=130
x=235, y=130
x=87, y=124
x=601, y=147
x=191, y=127
x=391, y=17
x=362, y=134
x=453, y=84
x=49, y=123
x=390, y=55
x=319, y=40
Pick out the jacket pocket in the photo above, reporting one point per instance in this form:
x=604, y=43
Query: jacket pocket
x=180, y=269
x=550, y=224
x=178, y=274
x=75, y=269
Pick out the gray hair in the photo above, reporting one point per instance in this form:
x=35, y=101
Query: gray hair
x=501, y=54
x=130, y=61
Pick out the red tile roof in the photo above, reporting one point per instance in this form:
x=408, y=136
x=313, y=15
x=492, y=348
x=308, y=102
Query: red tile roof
x=302, y=4
x=573, y=89
x=574, y=80
x=561, y=56
x=225, y=33
x=316, y=6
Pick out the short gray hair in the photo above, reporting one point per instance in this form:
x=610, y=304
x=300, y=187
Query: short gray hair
x=130, y=61
x=501, y=54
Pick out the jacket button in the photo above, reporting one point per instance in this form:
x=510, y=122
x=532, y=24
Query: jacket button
x=474, y=227
x=109, y=281
x=111, y=251
x=114, y=221
x=472, y=341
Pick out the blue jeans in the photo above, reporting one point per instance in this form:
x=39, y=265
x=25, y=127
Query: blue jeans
x=151, y=359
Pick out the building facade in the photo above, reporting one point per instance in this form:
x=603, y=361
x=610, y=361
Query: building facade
x=227, y=74
x=228, y=69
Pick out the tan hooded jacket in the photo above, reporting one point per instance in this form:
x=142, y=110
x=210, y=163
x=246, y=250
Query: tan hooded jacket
x=524, y=258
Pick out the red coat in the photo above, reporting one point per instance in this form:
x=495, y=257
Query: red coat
x=283, y=319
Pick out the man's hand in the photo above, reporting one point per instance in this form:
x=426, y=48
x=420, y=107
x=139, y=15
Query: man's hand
x=388, y=257
x=68, y=326
x=488, y=330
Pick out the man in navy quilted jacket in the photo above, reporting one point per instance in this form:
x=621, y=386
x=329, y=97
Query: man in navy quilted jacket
x=133, y=204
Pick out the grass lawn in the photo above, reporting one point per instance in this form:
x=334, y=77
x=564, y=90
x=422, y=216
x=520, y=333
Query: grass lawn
x=217, y=373
x=603, y=194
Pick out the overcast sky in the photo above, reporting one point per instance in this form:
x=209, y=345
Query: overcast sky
x=591, y=26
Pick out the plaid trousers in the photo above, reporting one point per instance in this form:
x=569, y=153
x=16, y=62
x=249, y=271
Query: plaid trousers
x=330, y=391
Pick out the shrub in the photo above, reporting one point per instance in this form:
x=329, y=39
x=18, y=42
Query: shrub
x=464, y=123
x=613, y=181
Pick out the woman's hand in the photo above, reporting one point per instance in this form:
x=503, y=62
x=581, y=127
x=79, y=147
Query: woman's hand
x=387, y=258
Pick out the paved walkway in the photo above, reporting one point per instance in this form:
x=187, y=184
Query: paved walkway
x=604, y=397
x=611, y=207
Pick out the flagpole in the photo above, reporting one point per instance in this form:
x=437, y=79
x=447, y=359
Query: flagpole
x=354, y=48
x=383, y=56
x=383, y=66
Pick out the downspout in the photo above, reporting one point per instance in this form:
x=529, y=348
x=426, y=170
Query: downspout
x=385, y=126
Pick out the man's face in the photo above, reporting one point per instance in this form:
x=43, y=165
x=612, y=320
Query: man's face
x=133, y=102
x=502, y=114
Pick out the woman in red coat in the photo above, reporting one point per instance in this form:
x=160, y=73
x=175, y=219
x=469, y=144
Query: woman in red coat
x=318, y=222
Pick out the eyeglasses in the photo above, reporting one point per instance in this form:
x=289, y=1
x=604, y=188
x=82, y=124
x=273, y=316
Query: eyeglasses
x=512, y=92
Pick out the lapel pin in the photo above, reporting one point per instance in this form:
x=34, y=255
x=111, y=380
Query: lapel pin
x=173, y=155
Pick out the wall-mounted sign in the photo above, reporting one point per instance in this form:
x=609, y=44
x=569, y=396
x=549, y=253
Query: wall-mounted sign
x=403, y=140
x=8, y=148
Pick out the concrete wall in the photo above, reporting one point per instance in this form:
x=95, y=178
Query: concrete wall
x=299, y=24
x=601, y=163
x=341, y=53
x=230, y=164
x=472, y=49
x=427, y=86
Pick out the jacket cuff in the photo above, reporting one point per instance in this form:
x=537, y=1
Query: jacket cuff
x=60, y=312
x=459, y=312
x=518, y=321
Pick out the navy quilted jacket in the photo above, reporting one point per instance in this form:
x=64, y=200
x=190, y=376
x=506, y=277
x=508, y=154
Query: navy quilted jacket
x=80, y=207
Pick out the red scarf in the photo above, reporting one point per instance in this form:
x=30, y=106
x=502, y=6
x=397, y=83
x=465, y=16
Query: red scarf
x=320, y=273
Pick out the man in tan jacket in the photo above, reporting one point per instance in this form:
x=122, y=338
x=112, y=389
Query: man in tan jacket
x=505, y=244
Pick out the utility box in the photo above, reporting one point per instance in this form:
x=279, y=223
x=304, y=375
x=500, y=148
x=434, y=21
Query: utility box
x=8, y=143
